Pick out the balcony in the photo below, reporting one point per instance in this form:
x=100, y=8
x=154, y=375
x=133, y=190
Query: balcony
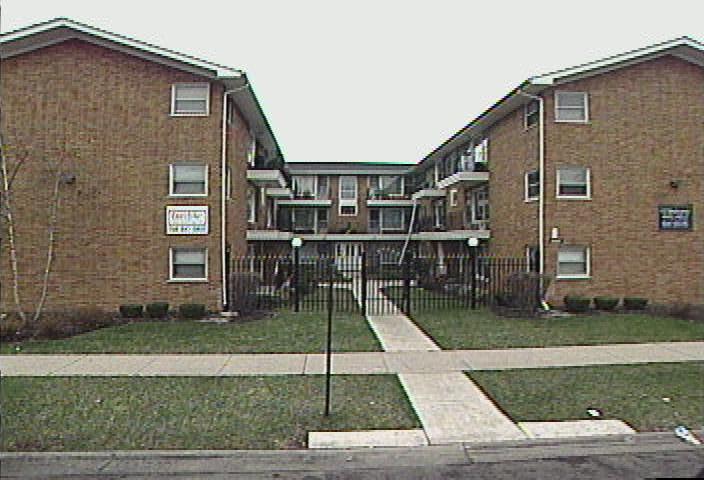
x=266, y=177
x=383, y=199
x=450, y=226
x=278, y=192
x=308, y=198
x=428, y=192
x=468, y=172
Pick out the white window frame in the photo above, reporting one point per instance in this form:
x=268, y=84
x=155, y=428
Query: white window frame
x=382, y=228
x=558, y=108
x=481, y=151
x=171, y=180
x=380, y=187
x=174, y=88
x=252, y=150
x=574, y=276
x=527, y=112
x=171, y=265
x=453, y=197
x=477, y=202
x=527, y=184
x=251, y=205
x=587, y=196
x=348, y=202
x=228, y=183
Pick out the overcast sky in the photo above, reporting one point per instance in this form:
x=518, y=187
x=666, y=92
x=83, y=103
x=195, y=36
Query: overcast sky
x=379, y=80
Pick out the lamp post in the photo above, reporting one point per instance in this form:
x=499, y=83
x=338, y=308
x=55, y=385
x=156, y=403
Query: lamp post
x=296, y=243
x=473, y=243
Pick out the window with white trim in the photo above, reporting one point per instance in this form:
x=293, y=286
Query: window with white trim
x=251, y=205
x=481, y=151
x=531, y=113
x=390, y=185
x=305, y=186
x=190, y=99
x=228, y=183
x=187, y=264
x=323, y=187
x=571, y=107
x=188, y=180
x=348, y=195
x=573, y=261
x=573, y=182
x=252, y=150
x=453, y=197
x=532, y=185
x=392, y=219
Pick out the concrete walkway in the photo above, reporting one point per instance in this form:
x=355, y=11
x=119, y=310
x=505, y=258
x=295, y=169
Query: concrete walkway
x=353, y=363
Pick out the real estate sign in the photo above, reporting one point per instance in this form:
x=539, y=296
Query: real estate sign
x=675, y=217
x=187, y=220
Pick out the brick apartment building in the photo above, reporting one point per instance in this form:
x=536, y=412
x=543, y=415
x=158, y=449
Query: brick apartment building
x=595, y=172
x=153, y=148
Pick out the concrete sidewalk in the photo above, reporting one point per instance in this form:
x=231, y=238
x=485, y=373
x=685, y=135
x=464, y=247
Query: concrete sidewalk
x=352, y=363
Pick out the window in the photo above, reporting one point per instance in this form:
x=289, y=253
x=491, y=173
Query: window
x=573, y=182
x=322, y=219
x=453, y=198
x=388, y=185
x=571, y=107
x=188, y=264
x=304, y=219
x=190, y=99
x=252, y=151
x=348, y=210
x=532, y=184
x=348, y=195
x=251, y=205
x=532, y=259
x=439, y=213
x=480, y=208
x=228, y=183
x=531, y=114
x=348, y=188
x=392, y=219
x=304, y=186
x=573, y=262
x=188, y=180
x=481, y=151
x=374, y=220
x=323, y=189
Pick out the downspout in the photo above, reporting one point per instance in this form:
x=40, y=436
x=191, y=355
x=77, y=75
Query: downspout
x=223, y=190
x=410, y=231
x=541, y=174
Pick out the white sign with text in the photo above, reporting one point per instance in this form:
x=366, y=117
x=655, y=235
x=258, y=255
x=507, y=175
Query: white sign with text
x=187, y=220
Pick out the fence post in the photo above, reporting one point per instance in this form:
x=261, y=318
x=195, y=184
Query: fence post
x=296, y=283
x=328, y=347
x=473, y=277
x=407, y=284
x=364, y=284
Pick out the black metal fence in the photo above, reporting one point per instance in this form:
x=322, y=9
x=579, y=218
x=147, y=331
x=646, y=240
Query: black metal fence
x=377, y=283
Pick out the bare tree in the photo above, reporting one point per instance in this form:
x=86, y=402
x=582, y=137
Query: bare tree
x=9, y=170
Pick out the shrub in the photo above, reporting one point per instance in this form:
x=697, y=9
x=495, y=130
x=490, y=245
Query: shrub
x=243, y=292
x=10, y=327
x=192, y=311
x=52, y=325
x=635, y=303
x=157, y=309
x=576, y=304
x=131, y=311
x=605, y=303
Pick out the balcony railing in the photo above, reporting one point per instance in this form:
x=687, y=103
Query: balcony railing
x=449, y=221
x=382, y=195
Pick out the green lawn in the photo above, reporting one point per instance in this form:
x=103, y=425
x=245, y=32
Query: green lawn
x=463, y=328
x=85, y=414
x=285, y=332
x=633, y=393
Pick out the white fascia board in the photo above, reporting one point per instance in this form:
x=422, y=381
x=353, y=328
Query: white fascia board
x=617, y=61
x=275, y=235
x=305, y=202
x=451, y=235
x=153, y=50
x=354, y=237
x=390, y=202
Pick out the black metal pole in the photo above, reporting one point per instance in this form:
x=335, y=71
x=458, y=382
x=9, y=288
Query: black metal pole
x=328, y=347
x=364, y=284
x=296, y=297
x=473, y=273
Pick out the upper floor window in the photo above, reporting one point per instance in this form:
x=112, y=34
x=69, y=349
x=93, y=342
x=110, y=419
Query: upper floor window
x=387, y=185
x=531, y=114
x=532, y=184
x=453, y=197
x=571, y=107
x=305, y=185
x=481, y=151
x=573, y=182
x=348, y=188
x=190, y=99
x=251, y=205
x=188, y=180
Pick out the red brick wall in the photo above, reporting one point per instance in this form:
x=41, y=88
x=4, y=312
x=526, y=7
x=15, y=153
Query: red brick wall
x=108, y=114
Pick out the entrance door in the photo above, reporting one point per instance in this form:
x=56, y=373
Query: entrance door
x=348, y=256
